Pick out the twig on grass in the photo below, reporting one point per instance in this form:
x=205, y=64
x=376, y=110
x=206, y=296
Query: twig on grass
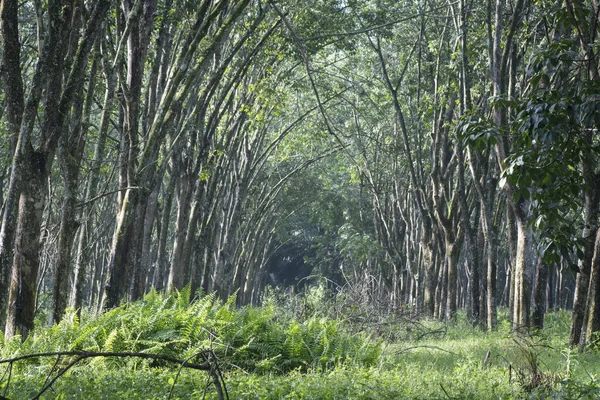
x=445, y=392
x=91, y=354
x=426, y=347
x=208, y=366
x=217, y=375
x=9, y=372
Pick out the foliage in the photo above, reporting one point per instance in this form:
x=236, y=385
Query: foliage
x=269, y=352
x=248, y=338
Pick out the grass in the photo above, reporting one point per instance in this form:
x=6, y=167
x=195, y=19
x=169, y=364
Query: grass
x=275, y=352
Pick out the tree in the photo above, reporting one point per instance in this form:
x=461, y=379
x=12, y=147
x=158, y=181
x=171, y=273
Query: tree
x=31, y=165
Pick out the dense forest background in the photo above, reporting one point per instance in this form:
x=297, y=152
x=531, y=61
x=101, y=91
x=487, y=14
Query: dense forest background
x=436, y=155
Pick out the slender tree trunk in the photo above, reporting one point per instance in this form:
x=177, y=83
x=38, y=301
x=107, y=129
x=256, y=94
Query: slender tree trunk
x=120, y=268
x=82, y=255
x=522, y=296
x=140, y=270
x=22, y=294
x=444, y=290
x=491, y=243
x=592, y=195
x=539, y=292
x=593, y=304
x=66, y=235
x=511, y=237
x=189, y=272
x=161, y=271
x=452, y=254
x=148, y=254
x=70, y=153
x=176, y=278
x=501, y=52
x=14, y=98
x=11, y=70
x=550, y=291
x=492, y=270
x=430, y=271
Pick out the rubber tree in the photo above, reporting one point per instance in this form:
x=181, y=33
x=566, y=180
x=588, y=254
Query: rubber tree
x=503, y=55
x=70, y=154
x=34, y=156
x=212, y=23
x=214, y=129
x=15, y=103
x=82, y=256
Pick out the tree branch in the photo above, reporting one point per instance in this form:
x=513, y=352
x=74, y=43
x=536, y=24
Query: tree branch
x=82, y=355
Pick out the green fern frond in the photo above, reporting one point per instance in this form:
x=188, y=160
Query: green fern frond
x=184, y=296
x=110, y=340
x=201, y=308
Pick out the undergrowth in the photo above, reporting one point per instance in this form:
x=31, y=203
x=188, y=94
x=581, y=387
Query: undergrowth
x=250, y=338
x=316, y=345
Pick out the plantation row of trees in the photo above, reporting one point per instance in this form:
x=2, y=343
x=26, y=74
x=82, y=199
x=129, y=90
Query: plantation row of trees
x=439, y=154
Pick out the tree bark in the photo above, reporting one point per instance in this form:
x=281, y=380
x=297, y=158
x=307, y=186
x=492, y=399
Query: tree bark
x=37, y=163
x=82, y=254
x=592, y=195
x=176, y=274
x=22, y=293
x=11, y=69
x=14, y=98
x=593, y=304
x=501, y=53
x=70, y=153
x=161, y=271
x=521, y=297
x=539, y=298
x=452, y=254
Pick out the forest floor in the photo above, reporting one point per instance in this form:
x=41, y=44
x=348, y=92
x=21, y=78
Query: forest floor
x=307, y=348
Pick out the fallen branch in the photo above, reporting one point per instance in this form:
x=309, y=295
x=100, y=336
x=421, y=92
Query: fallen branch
x=425, y=347
x=207, y=365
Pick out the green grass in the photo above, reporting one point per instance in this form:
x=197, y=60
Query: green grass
x=278, y=352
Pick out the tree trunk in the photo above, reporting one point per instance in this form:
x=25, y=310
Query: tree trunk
x=14, y=98
x=492, y=270
x=431, y=280
x=452, y=254
x=120, y=267
x=443, y=284
x=148, y=253
x=37, y=163
x=22, y=293
x=539, y=291
x=501, y=52
x=66, y=235
x=70, y=153
x=191, y=240
x=521, y=297
x=550, y=292
x=593, y=304
x=592, y=195
x=82, y=254
x=184, y=198
x=161, y=271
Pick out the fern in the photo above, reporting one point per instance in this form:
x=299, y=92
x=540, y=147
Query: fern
x=201, y=308
x=86, y=338
x=183, y=297
x=110, y=341
x=261, y=339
